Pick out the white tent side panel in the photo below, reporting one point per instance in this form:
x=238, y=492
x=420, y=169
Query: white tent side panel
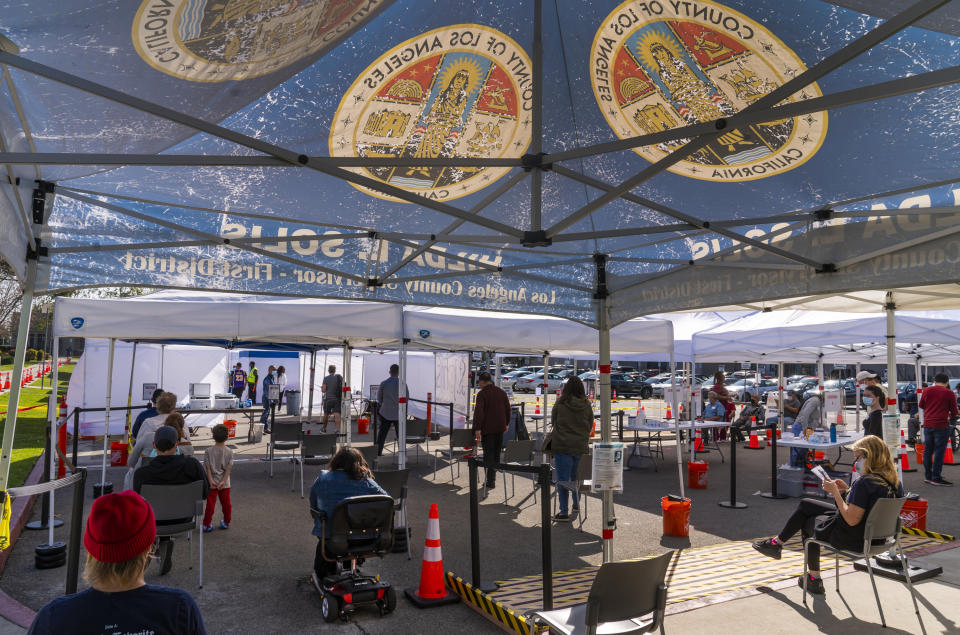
x=182, y=366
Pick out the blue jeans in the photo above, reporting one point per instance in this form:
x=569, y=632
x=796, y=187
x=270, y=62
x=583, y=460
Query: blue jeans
x=934, y=447
x=567, y=465
x=265, y=417
x=787, y=421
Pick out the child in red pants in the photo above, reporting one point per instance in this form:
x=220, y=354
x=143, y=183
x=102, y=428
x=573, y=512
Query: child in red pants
x=218, y=461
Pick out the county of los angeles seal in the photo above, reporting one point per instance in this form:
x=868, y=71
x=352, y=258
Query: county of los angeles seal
x=460, y=91
x=658, y=65
x=221, y=40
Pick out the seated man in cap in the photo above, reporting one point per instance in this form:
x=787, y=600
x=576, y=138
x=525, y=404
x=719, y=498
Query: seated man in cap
x=119, y=540
x=169, y=468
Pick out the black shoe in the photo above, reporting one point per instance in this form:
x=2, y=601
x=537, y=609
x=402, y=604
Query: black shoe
x=814, y=585
x=767, y=548
x=561, y=518
x=941, y=481
x=166, y=556
x=492, y=485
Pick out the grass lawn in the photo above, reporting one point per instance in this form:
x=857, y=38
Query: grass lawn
x=28, y=439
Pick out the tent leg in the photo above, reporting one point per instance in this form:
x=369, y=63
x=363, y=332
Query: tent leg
x=858, y=397
x=820, y=386
x=106, y=418
x=894, y=443
x=402, y=401
x=546, y=390
x=133, y=364
x=345, y=405
x=26, y=308
x=676, y=416
x=609, y=522
x=313, y=375
x=52, y=412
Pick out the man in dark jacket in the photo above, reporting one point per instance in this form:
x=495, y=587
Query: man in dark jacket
x=491, y=417
x=169, y=468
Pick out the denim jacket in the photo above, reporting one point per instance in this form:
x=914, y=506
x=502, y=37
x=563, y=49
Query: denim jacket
x=331, y=487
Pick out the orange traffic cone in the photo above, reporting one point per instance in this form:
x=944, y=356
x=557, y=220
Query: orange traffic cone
x=669, y=413
x=840, y=420
x=698, y=442
x=432, y=591
x=948, y=455
x=537, y=411
x=614, y=400
x=904, y=459
x=754, y=443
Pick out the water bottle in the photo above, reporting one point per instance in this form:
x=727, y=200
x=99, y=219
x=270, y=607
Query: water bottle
x=833, y=433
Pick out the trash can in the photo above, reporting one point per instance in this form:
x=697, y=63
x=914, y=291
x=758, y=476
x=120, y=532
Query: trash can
x=293, y=402
x=676, y=516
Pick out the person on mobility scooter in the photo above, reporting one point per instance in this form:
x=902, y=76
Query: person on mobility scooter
x=353, y=520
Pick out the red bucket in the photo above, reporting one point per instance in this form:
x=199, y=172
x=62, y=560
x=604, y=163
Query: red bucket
x=914, y=513
x=118, y=453
x=676, y=517
x=363, y=425
x=697, y=475
x=231, y=427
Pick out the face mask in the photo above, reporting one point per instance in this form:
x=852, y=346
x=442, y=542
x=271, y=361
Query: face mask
x=859, y=466
x=868, y=401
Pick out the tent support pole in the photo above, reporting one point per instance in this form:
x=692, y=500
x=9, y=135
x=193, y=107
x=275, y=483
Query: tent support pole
x=536, y=120
x=890, y=309
x=609, y=521
x=546, y=390
x=820, y=386
x=106, y=417
x=345, y=425
x=402, y=400
x=498, y=379
x=780, y=423
x=163, y=351
x=52, y=412
x=313, y=375
x=23, y=328
x=676, y=416
x=133, y=364
x=858, y=397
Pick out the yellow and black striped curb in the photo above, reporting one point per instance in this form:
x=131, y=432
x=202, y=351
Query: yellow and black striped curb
x=713, y=571
x=923, y=533
x=493, y=609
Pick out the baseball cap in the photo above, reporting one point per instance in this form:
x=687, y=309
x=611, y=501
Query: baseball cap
x=865, y=374
x=165, y=438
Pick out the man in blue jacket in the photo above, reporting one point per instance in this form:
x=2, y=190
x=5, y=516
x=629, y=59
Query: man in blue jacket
x=268, y=380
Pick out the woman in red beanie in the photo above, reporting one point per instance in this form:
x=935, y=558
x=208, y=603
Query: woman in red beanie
x=119, y=540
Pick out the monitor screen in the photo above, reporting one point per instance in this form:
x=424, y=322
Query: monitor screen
x=199, y=391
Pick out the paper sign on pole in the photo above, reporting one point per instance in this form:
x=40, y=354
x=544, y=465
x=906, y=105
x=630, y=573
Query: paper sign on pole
x=477, y=356
x=668, y=393
x=148, y=391
x=273, y=392
x=539, y=390
x=744, y=365
x=832, y=400
x=891, y=432
x=608, y=467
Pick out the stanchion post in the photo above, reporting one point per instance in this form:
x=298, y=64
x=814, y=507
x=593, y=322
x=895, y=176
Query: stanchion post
x=76, y=531
x=773, y=465
x=546, y=536
x=44, y=478
x=732, y=503
x=474, y=522
x=76, y=434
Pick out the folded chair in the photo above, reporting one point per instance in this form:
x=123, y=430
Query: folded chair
x=183, y=503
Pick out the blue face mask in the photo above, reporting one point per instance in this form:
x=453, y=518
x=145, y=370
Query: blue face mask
x=868, y=401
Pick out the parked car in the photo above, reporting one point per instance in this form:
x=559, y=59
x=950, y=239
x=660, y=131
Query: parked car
x=702, y=382
x=741, y=389
x=624, y=384
x=529, y=383
x=802, y=386
x=849, y=387
x=907, y=398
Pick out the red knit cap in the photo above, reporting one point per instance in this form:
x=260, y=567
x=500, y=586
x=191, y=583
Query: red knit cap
x=120, y=527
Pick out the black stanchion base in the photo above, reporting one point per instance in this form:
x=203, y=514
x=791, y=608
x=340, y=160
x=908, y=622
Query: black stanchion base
x=772, y=495
x=421, y=603
x=733, y=505
x=747, y=447
x=42, y=524
x=896, y=573
x=99, y=489
x=50, y=556
x=400, y=537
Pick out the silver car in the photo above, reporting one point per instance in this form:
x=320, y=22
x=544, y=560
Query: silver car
x=529, y=383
